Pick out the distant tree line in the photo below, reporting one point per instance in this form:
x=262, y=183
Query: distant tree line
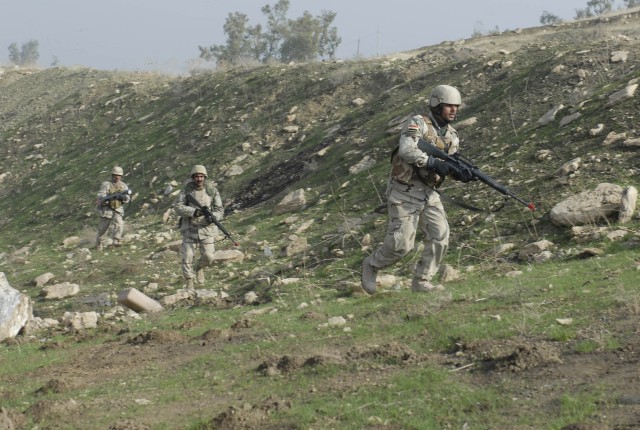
x=594, y=8
x=26, y=55
x=302, y=39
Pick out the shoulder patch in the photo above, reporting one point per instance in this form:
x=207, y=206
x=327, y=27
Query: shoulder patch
x=412, y=130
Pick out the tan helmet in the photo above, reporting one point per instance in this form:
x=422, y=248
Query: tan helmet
x=445, y=94
x=198, y=168
x=117, y=170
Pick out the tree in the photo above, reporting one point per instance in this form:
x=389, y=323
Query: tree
x=548, y=18
x=595, y=8
x=238, y=45
x=27, y=55
x=302, y=39
x=277, y=28
x=631, y=3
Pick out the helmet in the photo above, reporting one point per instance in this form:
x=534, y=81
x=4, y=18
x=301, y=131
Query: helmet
x=445, y=94
x=117, y=170
x=198, y=168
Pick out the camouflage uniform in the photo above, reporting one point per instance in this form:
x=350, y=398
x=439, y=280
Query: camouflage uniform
x=412, y=201
x=112, y=212
x=196, y=231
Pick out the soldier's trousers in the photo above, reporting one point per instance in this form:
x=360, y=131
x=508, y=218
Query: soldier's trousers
x=410, y=209
x=118, y=227
x=189, y=247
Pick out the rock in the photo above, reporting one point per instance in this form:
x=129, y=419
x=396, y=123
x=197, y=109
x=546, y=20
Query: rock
x=292, y=202
x=43, y=279
x=228, y=256
x=532, y=249
x=622, y=95
x=550, y=115
x=37, y=324
x=569, y=167
x=628, y=204
x=365, y=164
x=336, y=322
x=234, y=170
x=588, y=207
x=570, y=118
x=80, y=320
x=448, y=273
x=71, y=241
x=250, y=298
x=619, y=56
x=60, y=291
x=138, y=301
x=613, y=137
x=297, y=245
x=631, y=143
x=15, y=309
x=596, y=131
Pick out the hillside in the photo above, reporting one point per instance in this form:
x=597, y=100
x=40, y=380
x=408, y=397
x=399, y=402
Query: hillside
x=266, y=131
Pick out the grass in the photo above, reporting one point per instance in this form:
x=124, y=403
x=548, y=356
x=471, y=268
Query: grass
x=370, y=388
x=401, y=360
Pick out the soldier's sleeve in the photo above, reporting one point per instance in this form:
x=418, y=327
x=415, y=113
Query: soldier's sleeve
x=216, y=206
x=181, y=207
x=104, y=190
x=408, y=149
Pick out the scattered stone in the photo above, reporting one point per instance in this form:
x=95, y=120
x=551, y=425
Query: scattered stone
x=292, y=202
x=60, y=291
x=80, y=320
x=138, y=301
x=43, y=279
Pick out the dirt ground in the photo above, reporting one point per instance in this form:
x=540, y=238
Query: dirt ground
x=535, y=373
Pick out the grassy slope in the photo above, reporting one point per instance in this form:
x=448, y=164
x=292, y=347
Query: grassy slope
x=84, y=121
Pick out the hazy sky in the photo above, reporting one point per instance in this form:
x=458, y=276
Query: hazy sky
x=164, y=35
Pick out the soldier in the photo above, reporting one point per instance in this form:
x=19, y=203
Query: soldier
x=111, y=197
x=412, y=199
x=196, y=230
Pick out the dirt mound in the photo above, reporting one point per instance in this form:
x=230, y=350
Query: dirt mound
x=158, y=337
x=250, y=416
x=511, y=356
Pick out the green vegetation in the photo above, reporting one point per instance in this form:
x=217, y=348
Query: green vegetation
x=511, y=343
x=305, y=38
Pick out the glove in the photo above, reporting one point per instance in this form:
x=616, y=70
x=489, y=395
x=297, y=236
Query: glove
x=438, y=166
x=462, y=174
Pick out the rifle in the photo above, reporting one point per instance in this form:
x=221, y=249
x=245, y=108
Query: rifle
x=116, y=196
x=210, y=218
x=460, y=162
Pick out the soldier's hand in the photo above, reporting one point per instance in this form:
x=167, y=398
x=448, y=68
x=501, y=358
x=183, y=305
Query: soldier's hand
x=462, y=174
x=438, y=166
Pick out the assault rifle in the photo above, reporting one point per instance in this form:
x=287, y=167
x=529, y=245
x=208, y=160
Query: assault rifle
x=116, y=196
x=210, y=218
x=460, y=162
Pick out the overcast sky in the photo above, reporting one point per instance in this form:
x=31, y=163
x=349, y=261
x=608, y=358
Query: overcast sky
x=164, y=35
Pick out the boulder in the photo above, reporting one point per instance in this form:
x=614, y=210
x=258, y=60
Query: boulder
x=588, y=207
x=15, y=309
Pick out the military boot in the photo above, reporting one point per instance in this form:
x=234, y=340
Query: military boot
x=200, y=276
x=369, y=275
